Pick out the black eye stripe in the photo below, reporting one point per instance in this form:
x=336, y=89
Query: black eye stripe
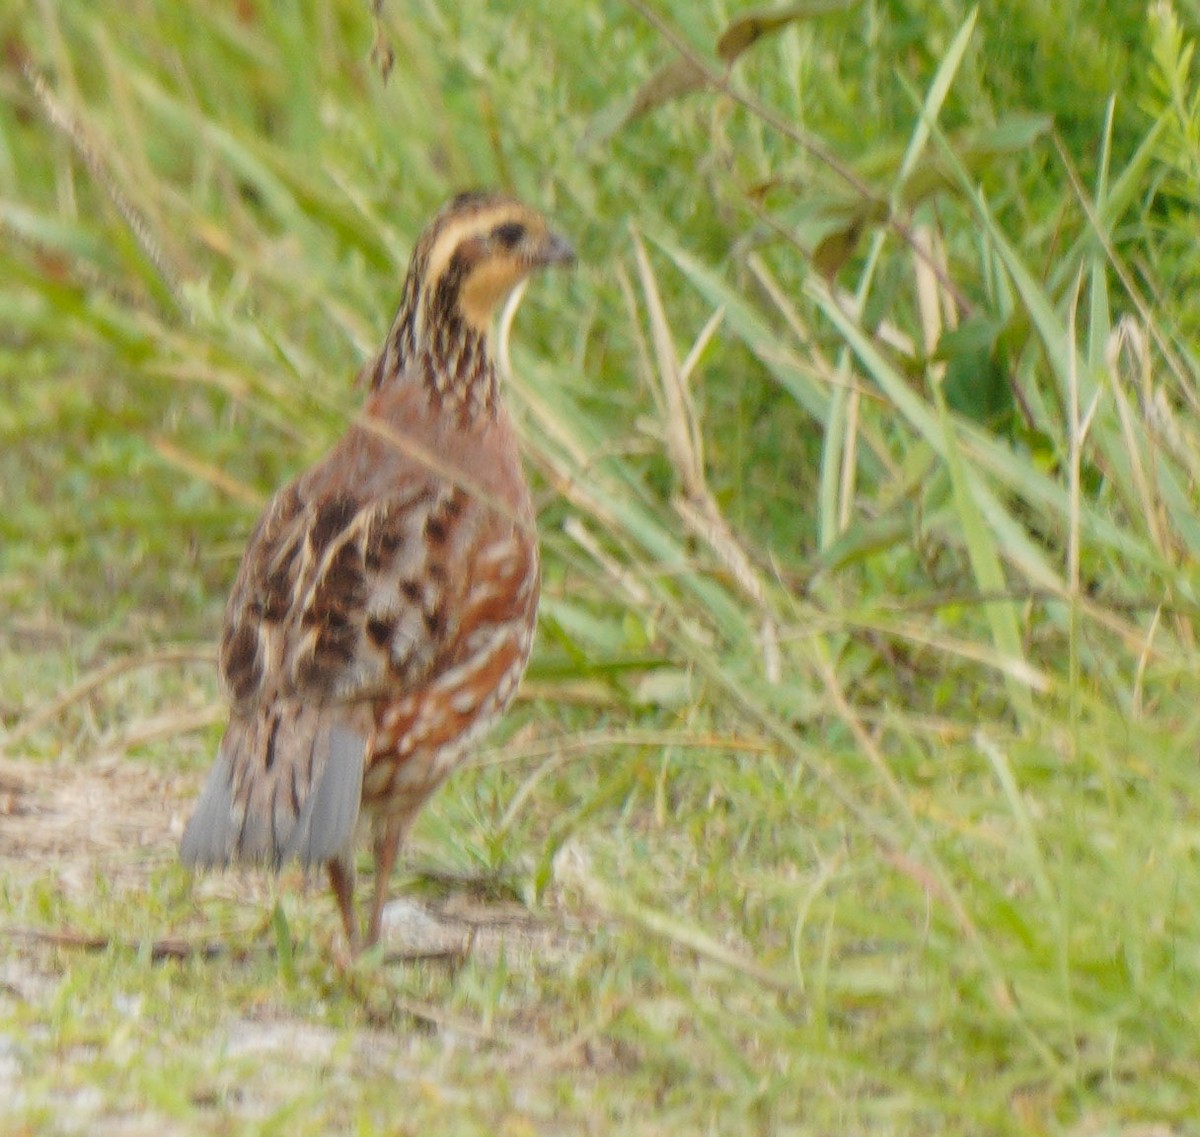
x=509, y=233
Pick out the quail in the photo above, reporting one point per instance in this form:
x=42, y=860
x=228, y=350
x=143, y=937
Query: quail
x=384, y=609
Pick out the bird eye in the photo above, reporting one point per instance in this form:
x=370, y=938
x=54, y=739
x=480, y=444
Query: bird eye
x=509, y=233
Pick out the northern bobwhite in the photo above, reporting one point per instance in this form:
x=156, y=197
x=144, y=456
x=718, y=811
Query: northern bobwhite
x=384, y=609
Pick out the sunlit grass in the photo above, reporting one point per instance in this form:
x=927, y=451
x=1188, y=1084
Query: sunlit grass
x=852, y=788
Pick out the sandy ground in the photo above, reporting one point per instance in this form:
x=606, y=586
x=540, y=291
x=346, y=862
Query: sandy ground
x=114, y=813
x=124, y=819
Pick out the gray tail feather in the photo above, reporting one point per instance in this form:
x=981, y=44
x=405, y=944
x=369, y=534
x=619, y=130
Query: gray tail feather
x=286, y=785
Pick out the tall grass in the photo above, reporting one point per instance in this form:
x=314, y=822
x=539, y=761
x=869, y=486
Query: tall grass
x=861, y=730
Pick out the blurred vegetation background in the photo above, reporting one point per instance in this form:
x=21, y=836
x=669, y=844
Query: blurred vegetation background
x=858, y=753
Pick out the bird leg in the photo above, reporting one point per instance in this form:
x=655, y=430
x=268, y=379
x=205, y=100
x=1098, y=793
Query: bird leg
x=388, y=838
x=341, y=877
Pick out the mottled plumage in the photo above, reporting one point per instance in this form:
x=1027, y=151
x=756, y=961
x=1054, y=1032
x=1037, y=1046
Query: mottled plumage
x=384, y=609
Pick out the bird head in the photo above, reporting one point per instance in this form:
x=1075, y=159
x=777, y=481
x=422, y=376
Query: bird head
x=476, y=250
x=478, y=247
